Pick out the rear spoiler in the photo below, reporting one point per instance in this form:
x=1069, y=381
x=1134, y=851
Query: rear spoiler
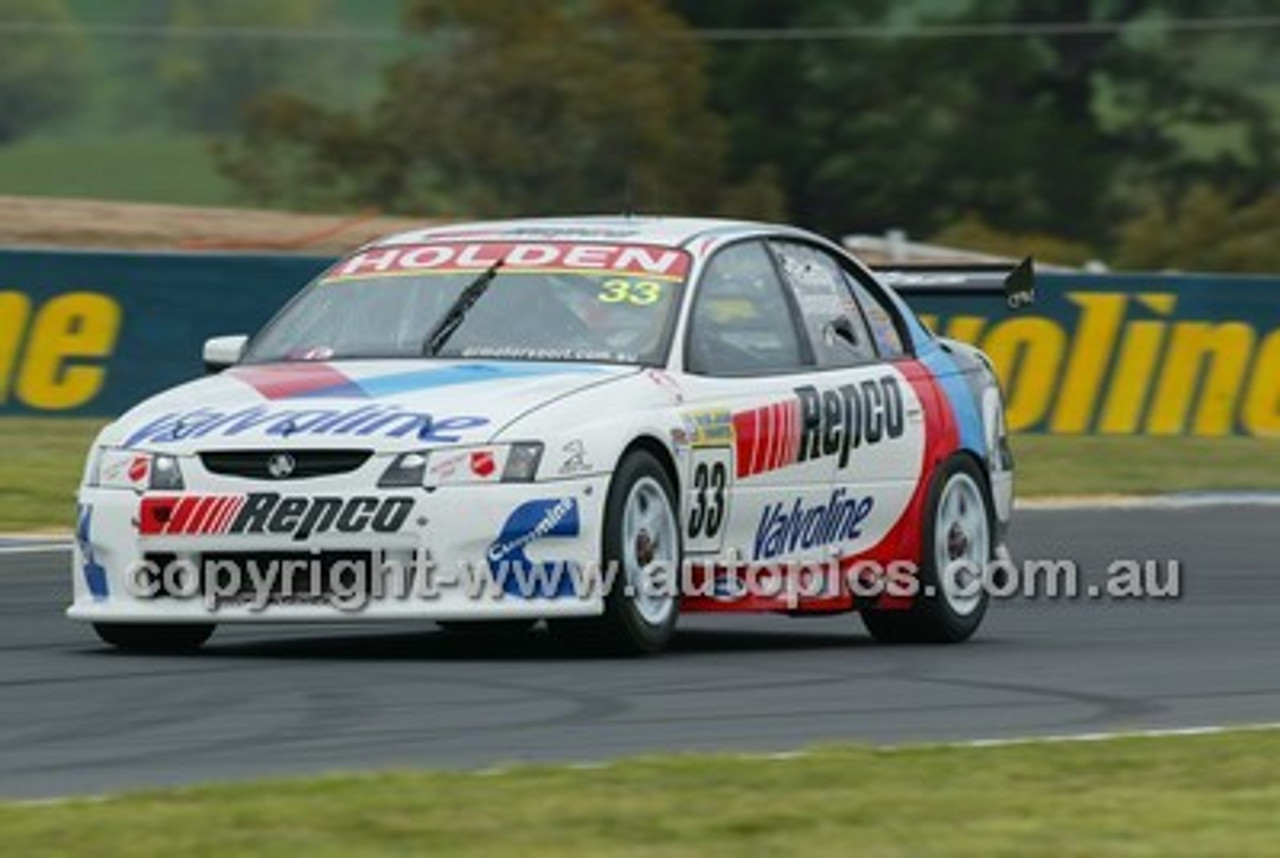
x=1017, y=284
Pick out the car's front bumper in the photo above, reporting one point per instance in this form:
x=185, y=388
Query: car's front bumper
x=463, y=552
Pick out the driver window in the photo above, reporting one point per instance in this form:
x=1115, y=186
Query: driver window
x=880, y=317
x=836, y=329
x=742, y=323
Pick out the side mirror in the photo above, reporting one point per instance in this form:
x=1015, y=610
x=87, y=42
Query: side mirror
x=222, y=352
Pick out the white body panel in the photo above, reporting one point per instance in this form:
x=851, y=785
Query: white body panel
x=792, y=468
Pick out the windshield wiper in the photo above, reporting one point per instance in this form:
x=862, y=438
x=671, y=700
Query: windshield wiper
x=445, y=328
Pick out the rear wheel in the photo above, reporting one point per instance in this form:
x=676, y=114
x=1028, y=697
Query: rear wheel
x=642, y=543
x=952, y=597
x=155, y=638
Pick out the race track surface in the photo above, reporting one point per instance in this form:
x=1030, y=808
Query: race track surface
x=78, y=718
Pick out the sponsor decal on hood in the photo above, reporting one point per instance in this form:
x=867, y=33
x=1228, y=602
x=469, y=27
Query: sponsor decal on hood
x=389, y=421
x=315, y=380
x=413, y=401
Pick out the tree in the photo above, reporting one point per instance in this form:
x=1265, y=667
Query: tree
x=514, y=107
x=42, y=71
x=208, y=77
x=973, y=233
x=1048, y=132
x=1205, y=230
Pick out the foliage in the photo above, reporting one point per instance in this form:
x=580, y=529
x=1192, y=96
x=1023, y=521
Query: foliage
x=1054, y=140
x=42, y=72
x=1205, y=230
x=1044, y=133
x=512, y=107
x=207, y=79
x=972, y=232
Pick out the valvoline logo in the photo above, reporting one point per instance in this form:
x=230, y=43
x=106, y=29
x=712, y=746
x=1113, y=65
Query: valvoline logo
x=782, y=531
x=388, y=421
x=530, y=522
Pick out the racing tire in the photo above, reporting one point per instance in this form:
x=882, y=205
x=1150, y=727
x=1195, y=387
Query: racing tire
x=155, y=638
x=957, y=545
x=642, y=541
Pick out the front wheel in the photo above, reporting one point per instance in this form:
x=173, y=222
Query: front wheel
x=155, y=638
x=957, y=547
x=642, y=553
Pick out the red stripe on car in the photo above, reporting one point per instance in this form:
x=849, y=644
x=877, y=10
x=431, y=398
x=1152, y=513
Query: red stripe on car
x=284, y=382
x=201, y=515
x=181, y=514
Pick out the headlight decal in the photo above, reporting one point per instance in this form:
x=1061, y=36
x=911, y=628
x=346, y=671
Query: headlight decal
x=522, y=463
x=166, y=473
x=408, y=470
x=115, y=468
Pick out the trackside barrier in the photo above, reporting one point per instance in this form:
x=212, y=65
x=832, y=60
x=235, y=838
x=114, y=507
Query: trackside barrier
x=91, y=333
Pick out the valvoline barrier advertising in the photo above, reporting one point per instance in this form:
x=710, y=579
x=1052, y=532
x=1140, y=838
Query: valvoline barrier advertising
x=91, y=333
x=1132, y=354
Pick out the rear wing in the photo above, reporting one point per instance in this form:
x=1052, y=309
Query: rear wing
x=1016, y=284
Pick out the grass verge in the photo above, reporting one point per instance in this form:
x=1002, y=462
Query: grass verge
x=1086, y=465
x=41, y=461
x=1201, y=795
x=156, y=169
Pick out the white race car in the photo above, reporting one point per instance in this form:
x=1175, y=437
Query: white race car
x=597, y=422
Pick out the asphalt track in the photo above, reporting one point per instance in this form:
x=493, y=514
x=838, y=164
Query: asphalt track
x=77, y=718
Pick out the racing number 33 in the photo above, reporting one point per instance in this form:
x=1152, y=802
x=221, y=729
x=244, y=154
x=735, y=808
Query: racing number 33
x=708, y=507
x=639, y=292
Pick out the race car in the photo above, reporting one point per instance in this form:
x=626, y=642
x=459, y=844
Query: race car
x=601, y=423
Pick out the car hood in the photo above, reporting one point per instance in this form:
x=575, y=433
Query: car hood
x=387, y=405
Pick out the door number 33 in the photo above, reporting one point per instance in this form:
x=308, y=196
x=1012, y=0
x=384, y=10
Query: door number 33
x=706, y=518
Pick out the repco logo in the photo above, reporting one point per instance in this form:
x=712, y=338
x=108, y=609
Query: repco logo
x=303, y=517
x=270, y=513
x=838, y=421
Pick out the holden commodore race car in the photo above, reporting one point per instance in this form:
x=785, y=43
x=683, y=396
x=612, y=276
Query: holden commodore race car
x=601, y=423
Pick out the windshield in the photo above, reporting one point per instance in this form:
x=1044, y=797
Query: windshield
x=545, y=301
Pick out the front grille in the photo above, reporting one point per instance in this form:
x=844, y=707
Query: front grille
x=255, y=464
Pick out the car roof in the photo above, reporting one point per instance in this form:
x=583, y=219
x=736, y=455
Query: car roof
x=629, y=229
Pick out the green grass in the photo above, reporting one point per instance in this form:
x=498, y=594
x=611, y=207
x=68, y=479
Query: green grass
x=152, y=169
x=1092, y=465
x=41, y=461
x=1206, y=795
